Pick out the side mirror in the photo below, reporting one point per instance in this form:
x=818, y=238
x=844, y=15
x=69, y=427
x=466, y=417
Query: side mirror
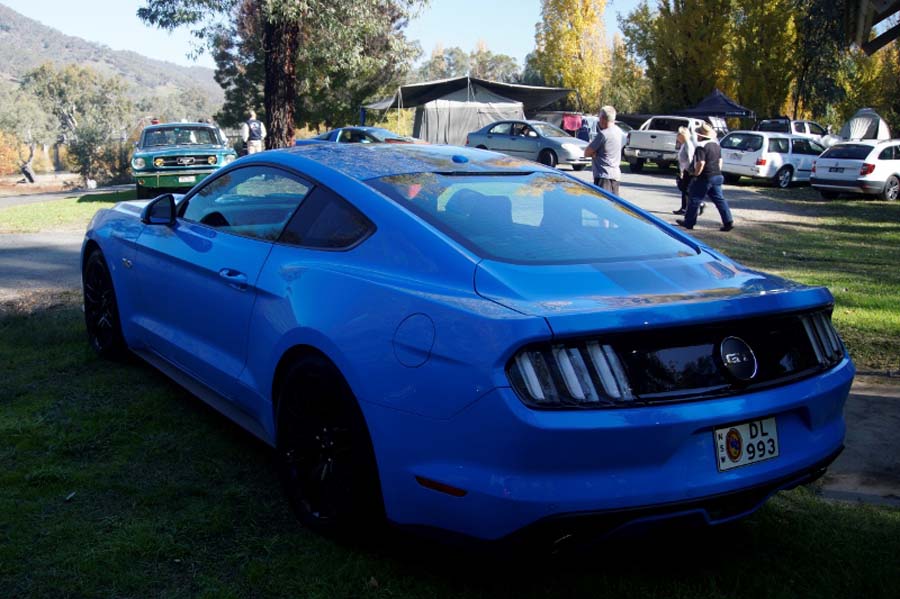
x=160, y=211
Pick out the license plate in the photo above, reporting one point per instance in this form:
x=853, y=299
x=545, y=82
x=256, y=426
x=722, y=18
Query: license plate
x=187, y=179
x=746, y=443
x=650, y=154
x=836, y=169
x=736, y=156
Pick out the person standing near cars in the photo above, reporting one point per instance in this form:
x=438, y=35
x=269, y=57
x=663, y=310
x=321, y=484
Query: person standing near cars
x=253, y=132
x=708, y=180
x=605, y=152
x=685, y=144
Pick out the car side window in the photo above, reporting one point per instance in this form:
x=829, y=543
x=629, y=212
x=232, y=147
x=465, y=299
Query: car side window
x=815, y=129
x=254, y=201
x=325, y=220
x=778, y=146
x=801, y=146
x=889, y=153
x=815, y=148
x=501, y=129
x=799, y=127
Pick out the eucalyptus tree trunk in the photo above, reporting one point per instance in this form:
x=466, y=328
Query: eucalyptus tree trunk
x=281, y=41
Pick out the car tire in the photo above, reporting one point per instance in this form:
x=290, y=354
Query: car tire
x=636, y=166
x=664, y=165
x=828, y=195
x=731, y=178
x=547, y=158
x=325, y=458
x=578, y=167
x=140, y=192
x=891, y=189
x=481, y=147
x=783, y=177
x=101, y=310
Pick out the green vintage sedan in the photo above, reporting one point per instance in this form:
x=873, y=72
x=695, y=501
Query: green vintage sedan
x=174, y=157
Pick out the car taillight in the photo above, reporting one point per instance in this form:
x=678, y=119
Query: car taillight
x=813, y=167
x=580, y=374
x=760, y=162
x=866, y=169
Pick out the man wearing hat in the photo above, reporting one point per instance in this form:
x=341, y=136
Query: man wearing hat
x=707, y=171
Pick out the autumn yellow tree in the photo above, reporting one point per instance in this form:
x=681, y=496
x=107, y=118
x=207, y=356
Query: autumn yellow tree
x=571, y=49
x=762, y=57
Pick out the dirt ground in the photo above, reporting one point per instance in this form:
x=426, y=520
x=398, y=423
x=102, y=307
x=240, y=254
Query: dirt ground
x=12, y=185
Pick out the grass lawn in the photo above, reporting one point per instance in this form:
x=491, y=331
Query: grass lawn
x=114, y=482
x=852, y=247
x=67, y=213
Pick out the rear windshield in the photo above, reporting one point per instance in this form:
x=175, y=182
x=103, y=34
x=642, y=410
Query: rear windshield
x=850, y=151
x=745, y=142
x=530, y=218
x=774, y=126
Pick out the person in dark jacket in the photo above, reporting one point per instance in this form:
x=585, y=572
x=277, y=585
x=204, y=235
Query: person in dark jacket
x=708, y=180
x=253, y=132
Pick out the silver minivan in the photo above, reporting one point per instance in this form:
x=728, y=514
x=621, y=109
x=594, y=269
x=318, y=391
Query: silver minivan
x=779, y=158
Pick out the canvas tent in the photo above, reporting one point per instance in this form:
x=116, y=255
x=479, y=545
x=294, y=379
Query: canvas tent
x=865, y=124
x=448, y=109
x=717, y=104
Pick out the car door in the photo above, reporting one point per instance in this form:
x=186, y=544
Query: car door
x=528, y=144
x=198, y=277
x=803, y=154
x=499, y=138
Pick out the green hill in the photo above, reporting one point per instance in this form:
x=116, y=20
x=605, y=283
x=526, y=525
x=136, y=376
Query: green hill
x=26, y=44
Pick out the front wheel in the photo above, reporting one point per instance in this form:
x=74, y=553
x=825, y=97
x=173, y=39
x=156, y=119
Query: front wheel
x=101, y=311
x=783, y=177
x=548, y=158
x=578, y=167
x=325, y=458
x=891, y=189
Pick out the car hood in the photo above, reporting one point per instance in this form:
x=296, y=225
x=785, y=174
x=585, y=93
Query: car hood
x=182, y=150
x=580, y=298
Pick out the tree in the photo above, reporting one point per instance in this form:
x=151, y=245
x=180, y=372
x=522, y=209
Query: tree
x=444, y=63
x=763, y=57
x=91, y=112
x=484, y=64
x=685, y=45
x=22, y=117
x=291, y=49
x=629, y=89
x=570, y=48
x=820, y=43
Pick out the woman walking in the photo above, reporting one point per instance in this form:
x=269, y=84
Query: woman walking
x=707, y=171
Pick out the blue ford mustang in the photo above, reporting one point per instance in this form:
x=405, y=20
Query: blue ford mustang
x=459, y=340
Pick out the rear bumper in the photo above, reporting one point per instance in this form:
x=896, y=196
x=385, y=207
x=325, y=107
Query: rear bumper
x=650, y=154
x=847, y=185
x=171, y=180
x=746, y=170
x=519, y=467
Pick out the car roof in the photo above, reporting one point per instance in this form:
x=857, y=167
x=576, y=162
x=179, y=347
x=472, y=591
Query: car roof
x=175, y=125
x=370, y=161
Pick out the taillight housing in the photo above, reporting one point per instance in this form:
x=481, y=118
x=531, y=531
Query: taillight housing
x=866, y=169
x=813, y=167
x=760, y=162
x=565, y=375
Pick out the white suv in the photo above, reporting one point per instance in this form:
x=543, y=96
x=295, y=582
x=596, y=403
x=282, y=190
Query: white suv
x=865, y=166
x=809, y=129
x=782, y=159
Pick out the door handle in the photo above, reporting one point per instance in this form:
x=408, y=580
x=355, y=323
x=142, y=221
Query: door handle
x=235, y=278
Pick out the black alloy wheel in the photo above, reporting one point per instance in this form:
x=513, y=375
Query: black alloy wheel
x=325, y=457
x=891, y=189
x=547, y=158
x=101, y=311
x=784, y=176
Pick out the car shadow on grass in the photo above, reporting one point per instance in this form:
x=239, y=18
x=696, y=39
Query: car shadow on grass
x=109, y=197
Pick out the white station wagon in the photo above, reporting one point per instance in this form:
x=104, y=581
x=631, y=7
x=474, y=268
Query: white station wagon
x=866, y=166
x=779, y=158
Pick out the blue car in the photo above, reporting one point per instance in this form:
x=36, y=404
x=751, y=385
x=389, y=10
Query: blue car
x=462, y=341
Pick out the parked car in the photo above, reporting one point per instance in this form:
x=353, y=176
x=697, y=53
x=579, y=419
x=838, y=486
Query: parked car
x=363, y=135
x=534, y=140
x=463, y=341
x=809, y=129
x=868, y=167
x=655, y=141
x=176, y=156
x=781, y=159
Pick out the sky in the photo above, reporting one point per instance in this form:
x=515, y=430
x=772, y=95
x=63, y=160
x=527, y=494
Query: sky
x=506, y=26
